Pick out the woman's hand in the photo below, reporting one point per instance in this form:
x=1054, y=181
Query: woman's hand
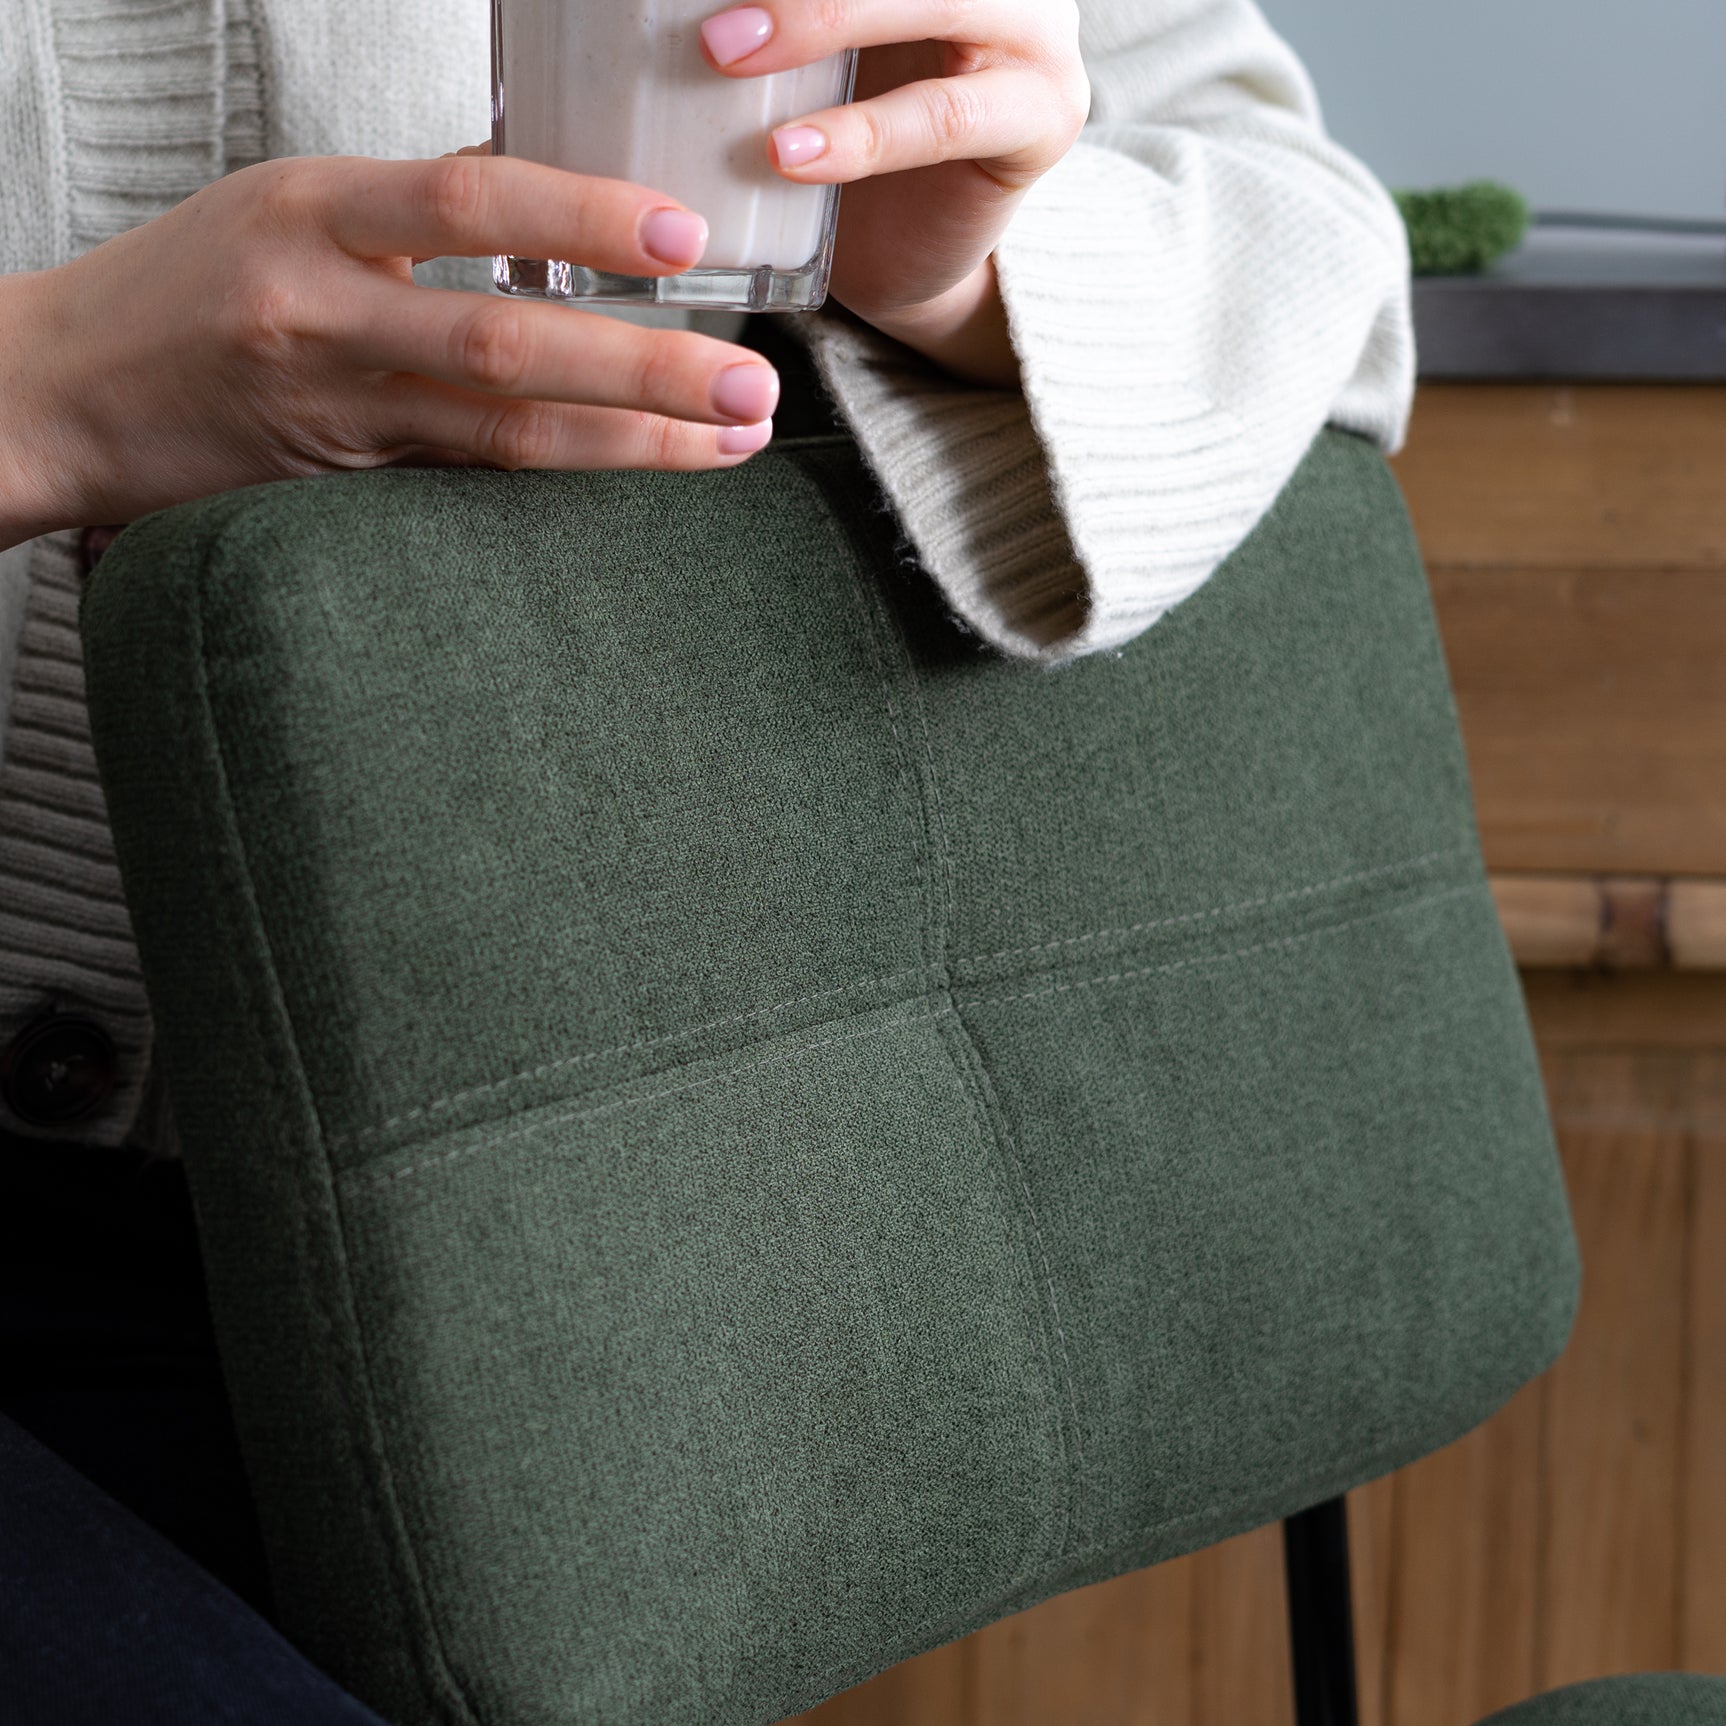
x=269, y=327
x=961, y=105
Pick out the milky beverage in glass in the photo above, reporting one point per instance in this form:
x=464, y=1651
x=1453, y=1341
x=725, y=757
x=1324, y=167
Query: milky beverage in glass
x=619, y=88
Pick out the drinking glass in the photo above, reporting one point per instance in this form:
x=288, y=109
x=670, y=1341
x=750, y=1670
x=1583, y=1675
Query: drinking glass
x=618, y=88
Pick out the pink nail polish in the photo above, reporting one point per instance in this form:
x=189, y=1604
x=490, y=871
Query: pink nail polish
x=745, y=440
x=674, y=237
x=795, y=145
x=731, y=35
x=748, y=393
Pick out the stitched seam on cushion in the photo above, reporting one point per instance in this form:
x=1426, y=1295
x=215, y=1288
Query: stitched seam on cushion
x=993, y=1119
x=438, y=1105
x=1003, y=1161
x=931, y=937
x=1353, y=1471
x=365, y=1177
x=889, y=656
x=371, y=1178
x=998, y=1126
x=1294, y=893
x=1035, y=1560
x=1410, y=904
x=386, y=1515
x=1066, y=1555
x=454, y=1099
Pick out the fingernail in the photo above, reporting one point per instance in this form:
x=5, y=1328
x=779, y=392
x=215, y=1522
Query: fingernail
x=745, y=440
x=674, y=237
x=731, y=35
x=748, y=393
x=795, y=145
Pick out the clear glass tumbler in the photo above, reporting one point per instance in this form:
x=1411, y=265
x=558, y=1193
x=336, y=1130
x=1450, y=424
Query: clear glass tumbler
x=619, y=88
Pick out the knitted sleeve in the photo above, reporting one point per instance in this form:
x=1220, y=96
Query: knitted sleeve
x=1203, y=283
x=32, y=208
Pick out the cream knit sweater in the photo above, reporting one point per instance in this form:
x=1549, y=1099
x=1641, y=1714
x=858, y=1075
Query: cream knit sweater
x=1201, y=285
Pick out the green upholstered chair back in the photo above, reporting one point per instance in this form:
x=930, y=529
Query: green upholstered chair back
x=739, y=1136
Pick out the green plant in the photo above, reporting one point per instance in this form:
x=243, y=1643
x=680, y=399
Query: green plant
x=1463, y=228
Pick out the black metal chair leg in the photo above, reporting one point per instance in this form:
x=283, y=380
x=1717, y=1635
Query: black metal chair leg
x=1321, y=1614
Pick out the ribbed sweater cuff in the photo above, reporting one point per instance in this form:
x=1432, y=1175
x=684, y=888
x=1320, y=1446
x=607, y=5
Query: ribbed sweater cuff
x=1175, y=369
x=142, y=87
x=970, y=480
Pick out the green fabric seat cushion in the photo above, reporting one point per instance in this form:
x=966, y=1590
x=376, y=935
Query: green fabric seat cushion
x=739, y=1136
x=1648, y=1699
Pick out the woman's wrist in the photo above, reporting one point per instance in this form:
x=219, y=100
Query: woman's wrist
x=39, y=485
x=964, y=331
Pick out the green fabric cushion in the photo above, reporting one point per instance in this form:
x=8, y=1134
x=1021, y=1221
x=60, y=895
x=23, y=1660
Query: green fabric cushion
x=1650, y=1699
x=739, y=1136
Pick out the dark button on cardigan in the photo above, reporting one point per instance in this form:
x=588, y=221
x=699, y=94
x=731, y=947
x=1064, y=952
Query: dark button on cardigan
x=61, y=1067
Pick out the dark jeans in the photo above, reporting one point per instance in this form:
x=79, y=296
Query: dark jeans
x=132, y=1586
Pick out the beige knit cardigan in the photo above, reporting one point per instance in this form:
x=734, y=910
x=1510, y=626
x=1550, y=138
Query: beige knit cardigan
x=1202, y=284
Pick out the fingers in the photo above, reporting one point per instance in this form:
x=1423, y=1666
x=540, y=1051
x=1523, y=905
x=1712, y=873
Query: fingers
x=476, y=206
x=1013, y=98
x=466, y=150
x=540, y=434
x=979, y=117
x=520, y=349
x=749, y=40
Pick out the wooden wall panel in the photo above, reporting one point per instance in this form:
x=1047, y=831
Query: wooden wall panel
x=1574, y=1011
x=1371, y=1531
x=1576, y=543
x=1550, y=477
x=1460, y=1640
x=1117, y=1652
x=1613, y=922
x=1611, y=1480
x=1703, y=1626
x=1199, y=1640
x=937, y=1689
x=1593, y=707
x=1240, y=1648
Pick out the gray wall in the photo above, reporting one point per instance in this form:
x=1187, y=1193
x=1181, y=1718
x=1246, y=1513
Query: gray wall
x=1603, y=105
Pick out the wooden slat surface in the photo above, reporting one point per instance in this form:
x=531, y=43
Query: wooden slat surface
x=1116, y=1652
x=1696, y=925
x=1612, y=1474
x=1593, y=708
x=938, y=1689
x=1576, y=544
x=1702, y=1630
x=1614, y=922
x=1372, y=1534
x=1462, y=1631
x=1575, y=1010
x=1239, y=1648
x=1536, y=476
